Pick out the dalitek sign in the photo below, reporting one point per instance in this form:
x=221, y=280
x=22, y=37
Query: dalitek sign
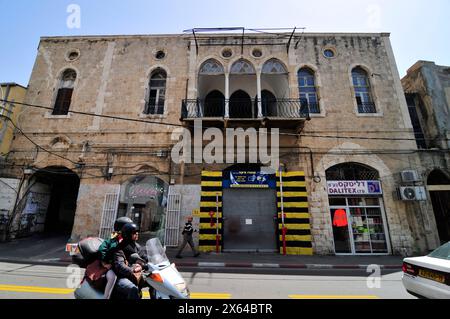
x=354, y=188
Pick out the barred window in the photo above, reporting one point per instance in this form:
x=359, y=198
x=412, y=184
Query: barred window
x=352, y=172
x=65, y=92
x=157, y=95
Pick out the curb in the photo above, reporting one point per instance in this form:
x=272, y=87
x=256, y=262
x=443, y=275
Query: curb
x=284, y=266
x=187, y=264
x=43, y=262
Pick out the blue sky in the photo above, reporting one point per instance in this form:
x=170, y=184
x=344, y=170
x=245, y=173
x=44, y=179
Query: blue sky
x=420, y=30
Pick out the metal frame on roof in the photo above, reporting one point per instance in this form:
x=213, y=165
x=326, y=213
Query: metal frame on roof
x=195, y=31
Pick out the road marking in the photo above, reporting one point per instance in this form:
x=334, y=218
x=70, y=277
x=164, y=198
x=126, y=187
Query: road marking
x=199, y=295
x=331, y=297
x=40, y=290
x=65, y=291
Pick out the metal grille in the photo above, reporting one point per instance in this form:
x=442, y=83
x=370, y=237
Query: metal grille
x=109, y=214
x=172, y=220
x=350, y=172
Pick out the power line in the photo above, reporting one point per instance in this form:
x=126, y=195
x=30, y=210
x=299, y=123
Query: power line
x=37, y=145
x=96, y=115
x=206, y=127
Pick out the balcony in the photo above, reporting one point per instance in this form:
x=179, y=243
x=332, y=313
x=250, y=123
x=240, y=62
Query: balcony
x=366, y=108
x=283, y=113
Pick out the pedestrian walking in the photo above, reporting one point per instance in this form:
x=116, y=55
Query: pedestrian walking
x=188, y=230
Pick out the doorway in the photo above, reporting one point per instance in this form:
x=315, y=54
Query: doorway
x=250, y=220
x=439, y=186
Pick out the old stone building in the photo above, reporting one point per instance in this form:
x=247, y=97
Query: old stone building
x=112, y=103
x=427, y=89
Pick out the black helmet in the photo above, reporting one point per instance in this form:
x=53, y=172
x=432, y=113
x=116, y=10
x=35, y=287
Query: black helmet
x=128, y=230
x=120, y=222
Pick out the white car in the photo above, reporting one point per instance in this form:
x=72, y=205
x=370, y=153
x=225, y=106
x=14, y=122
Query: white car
x=428, y=276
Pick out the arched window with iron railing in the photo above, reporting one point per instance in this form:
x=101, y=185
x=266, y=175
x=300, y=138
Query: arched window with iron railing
x=363, y=91
x=65, y=92
x=308, y=90
x=157, y=93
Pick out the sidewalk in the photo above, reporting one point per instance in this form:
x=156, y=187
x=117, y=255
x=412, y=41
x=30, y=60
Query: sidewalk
x=274, y=260
x=51, y=251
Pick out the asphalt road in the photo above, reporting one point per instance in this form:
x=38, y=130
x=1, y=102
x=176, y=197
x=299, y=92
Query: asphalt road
x=26, y=281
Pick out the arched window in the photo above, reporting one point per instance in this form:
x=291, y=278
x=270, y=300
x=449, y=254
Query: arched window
x=65, y=92
x=211, y=67
x=352, y=172
x=242, y=67
x=157, y=95
x=308, y=91
x=362, y=91
x=274, y=66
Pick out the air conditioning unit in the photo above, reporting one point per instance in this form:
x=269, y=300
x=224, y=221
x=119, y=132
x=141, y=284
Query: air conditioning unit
x=410, y=176
x=412, y=193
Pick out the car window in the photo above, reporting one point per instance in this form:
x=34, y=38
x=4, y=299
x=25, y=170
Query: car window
x=442, y=252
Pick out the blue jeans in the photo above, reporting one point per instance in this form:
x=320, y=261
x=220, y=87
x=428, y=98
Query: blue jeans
x=126, y=289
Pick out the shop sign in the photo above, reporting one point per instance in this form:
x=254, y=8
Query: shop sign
x=143, y=190
x=249, y=180
x=354, y=188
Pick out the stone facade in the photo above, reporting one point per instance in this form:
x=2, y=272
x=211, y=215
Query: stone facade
x=113, y=74
x=427, y=88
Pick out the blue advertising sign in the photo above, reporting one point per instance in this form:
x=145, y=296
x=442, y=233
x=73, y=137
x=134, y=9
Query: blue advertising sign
x=249, y=180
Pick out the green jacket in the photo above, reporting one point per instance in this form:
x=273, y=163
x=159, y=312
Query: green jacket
x=108, y=248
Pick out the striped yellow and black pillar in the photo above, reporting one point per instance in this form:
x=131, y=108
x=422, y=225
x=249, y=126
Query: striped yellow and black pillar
x=211, y=186
x=297, y=218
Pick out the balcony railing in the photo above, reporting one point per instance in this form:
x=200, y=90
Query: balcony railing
x=366, y=108
x=246, y=109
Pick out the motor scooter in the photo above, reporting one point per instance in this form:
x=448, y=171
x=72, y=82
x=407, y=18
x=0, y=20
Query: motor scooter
x=160, y=276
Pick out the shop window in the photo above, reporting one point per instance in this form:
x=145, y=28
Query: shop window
x=65, y=92
x=337, y=201
x=157, y=95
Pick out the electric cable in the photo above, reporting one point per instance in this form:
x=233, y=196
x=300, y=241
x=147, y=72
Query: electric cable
x=206, y=127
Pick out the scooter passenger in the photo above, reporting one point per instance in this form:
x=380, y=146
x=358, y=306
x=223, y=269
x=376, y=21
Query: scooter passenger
x=129, y=283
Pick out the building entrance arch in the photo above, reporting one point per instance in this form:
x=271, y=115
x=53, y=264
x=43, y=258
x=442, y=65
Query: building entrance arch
x=439, y=188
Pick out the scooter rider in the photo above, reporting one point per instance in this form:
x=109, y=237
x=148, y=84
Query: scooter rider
x=129, y=275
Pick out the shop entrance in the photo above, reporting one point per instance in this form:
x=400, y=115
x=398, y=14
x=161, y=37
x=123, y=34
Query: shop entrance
x=358, y=226
x=250, y=220
x=356, y=210
x=439, y=187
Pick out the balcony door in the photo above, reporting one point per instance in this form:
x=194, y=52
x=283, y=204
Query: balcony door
x=241, y=105
x=214, y=104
